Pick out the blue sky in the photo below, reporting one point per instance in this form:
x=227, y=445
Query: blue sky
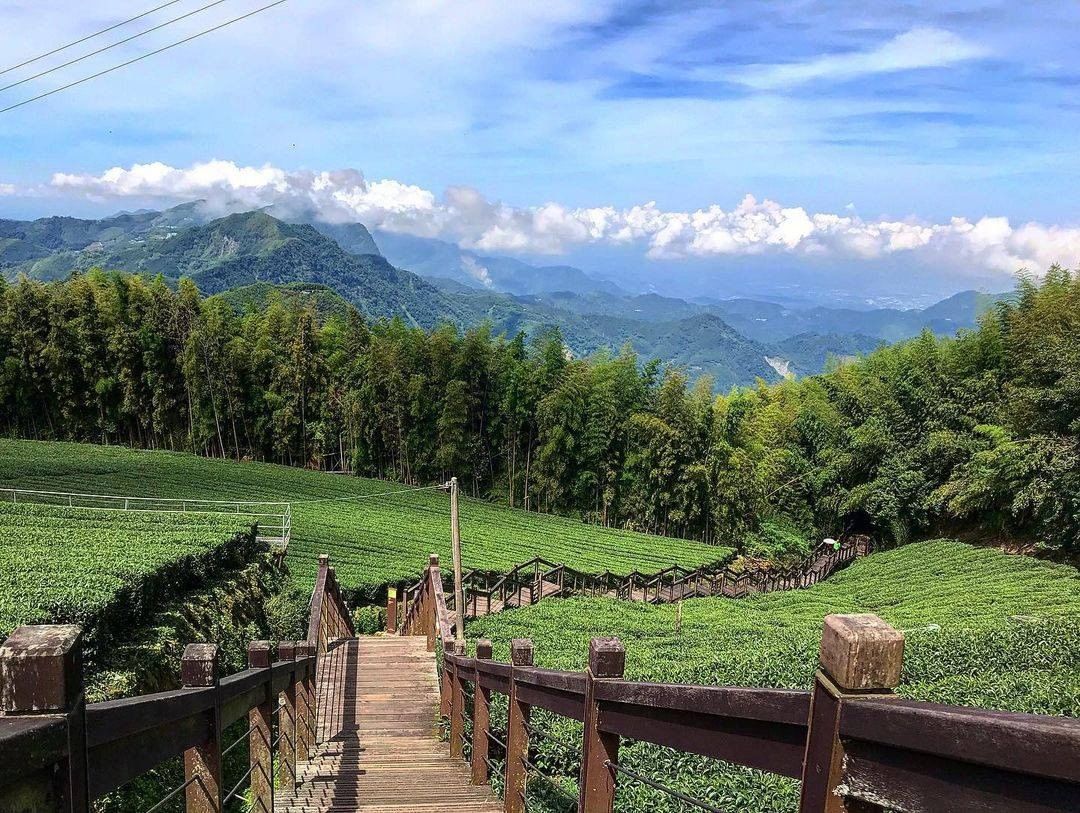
x=545, y=128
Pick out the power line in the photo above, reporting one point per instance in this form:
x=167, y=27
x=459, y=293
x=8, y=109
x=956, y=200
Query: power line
x=140, y=58
x=88, y=37
x=116, y=44
x=440, y=487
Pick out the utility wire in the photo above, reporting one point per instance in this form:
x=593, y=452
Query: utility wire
x=88, y=37
x=367, y=496
x=116, y=44
x=140, y=58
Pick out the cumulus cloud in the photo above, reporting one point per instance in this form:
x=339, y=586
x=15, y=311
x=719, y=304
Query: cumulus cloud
x=7, y=189
x=463, y=214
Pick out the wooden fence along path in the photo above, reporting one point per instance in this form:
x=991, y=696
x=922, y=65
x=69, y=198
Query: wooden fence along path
x=340, y=723
x=487, y=592
x=855, y=745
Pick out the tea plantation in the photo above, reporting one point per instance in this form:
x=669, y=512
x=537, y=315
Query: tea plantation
x=372, y=540
x=983, y=629
x=59, y=564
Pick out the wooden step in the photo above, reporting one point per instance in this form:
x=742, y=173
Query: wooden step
x=377, y=749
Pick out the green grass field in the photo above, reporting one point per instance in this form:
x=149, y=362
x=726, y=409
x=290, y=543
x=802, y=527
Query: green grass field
x=982, y=629
x=372, y=541
x=71, y=564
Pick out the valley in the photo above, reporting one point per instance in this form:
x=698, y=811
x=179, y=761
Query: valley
x=427, y=282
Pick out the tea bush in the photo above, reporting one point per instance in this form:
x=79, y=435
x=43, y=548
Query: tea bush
x=106, y=567
x=982, y=628
x=372, y=541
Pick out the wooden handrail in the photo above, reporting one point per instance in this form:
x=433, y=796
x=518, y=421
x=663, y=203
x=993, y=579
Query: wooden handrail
x=482, y=588
x=427, y=613
x=865, y=749
x=96, y=748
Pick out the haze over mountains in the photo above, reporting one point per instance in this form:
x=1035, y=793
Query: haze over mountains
x=249, y=255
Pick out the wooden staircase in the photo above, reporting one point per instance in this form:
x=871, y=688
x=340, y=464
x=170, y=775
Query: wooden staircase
x=377, y=746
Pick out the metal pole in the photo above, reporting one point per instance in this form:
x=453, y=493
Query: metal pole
x=455, y=539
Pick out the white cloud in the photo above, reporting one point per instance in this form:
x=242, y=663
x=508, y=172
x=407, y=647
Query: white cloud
x=463, y=214
x=472, y=267
x=917, y=48
x=7, y=189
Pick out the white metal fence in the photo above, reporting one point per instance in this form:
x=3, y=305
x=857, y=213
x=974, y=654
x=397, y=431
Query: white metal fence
x=274, y=519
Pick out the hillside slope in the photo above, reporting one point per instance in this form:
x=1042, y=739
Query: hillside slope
x=373, y=540
x=253, y=247
x=982, y=628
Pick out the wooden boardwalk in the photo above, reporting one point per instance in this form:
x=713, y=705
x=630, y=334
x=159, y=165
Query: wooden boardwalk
x=378, y=751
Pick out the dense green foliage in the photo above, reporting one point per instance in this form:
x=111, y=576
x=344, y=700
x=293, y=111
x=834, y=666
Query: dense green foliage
x=912, y=440
x=60, y=564
x=372, y=541
x=982, y=629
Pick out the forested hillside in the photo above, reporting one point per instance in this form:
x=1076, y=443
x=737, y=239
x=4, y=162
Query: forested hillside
x=978, y=429
x=735, y=341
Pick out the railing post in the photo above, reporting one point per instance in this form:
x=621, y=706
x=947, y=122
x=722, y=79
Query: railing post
x=428, y=609
x=305, y=703
x=287, y=718
x=457, y=706
x=600, y=750
x=41, y=673
x=199, y=668
x=517, y=737
x=861, y=656
x=481, y=719
x=336, y=624
x=260, y=656
x=445, y=682
x=391, y=609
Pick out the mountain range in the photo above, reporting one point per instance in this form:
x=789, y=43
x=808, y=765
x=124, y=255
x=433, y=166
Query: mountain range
x=246, y=256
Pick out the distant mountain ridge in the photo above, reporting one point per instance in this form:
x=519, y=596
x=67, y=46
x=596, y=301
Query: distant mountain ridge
x=437, y=258
x=250, y=256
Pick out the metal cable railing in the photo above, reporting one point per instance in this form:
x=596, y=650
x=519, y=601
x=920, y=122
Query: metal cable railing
x=274, y=519
x=559, y=789
x=239, y=739
x=236, y=788
x=174, y=791
x=652, y=783
x=572, y=749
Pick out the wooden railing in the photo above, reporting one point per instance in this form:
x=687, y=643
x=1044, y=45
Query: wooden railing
x=58, y=753
x=490, y=591
x=425, y=610
x=852, y=742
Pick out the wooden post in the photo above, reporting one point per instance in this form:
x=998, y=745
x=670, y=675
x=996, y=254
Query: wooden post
x=287, y=719
x=305, y=705
x=861, y=656
x=481, y=719
x=199, y=668
x=445, y=682
x=457, y=706
x=391, y=609
x=260, y=656
x=337, y=626
x=434, y=582
x=41, y=674
x=517, y=737
x=322, y=633
x=607, y=660
x=455, y=539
